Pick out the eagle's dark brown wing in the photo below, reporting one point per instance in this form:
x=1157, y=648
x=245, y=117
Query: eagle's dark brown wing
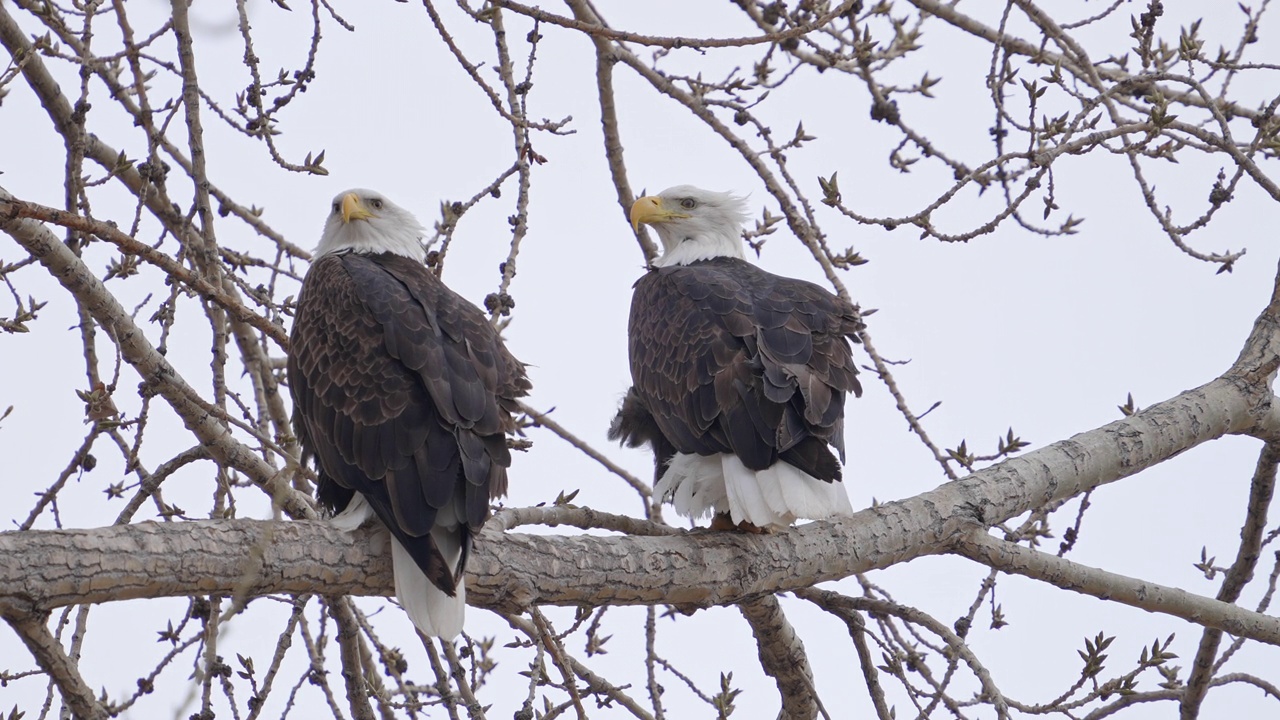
x=726, y=357
x=403, y=392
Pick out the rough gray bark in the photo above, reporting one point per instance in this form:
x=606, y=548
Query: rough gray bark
x=782, y=656
x=52, y=657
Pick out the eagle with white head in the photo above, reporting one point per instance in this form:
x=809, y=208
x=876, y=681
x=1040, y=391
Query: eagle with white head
x=404, y=395
x=739, y=375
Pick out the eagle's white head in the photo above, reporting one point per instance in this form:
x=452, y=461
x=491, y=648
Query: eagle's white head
x=364, y=221
x=693, y=224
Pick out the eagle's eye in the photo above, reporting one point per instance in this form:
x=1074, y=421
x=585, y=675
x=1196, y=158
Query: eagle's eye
x=376, y=203
x=337, y=208
x=688, y=203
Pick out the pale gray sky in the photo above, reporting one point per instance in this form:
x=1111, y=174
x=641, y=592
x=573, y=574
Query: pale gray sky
x=1044, y=335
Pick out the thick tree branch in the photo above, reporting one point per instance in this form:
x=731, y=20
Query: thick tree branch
x=353, y=675
x=782, y=656
x=47, y=569
x=64, y=671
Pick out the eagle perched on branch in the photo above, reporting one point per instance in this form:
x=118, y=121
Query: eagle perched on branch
x=404, y=394
x=739, y=375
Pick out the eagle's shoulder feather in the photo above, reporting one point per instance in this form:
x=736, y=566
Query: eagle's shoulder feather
x=403, y=394
x=727, y=357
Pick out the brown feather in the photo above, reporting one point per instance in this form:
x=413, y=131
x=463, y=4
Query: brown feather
x=392, y=374
x=726, y=357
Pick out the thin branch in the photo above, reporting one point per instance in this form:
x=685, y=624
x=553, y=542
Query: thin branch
x=544, y=420
x=613, y=147
x=598, y=31
x=595, y=684
x=858, y=633
x=1261, y=491
x=847, y=608
x=159, y=376
x=584, y=518
x=15, y=208
x=1018, y=560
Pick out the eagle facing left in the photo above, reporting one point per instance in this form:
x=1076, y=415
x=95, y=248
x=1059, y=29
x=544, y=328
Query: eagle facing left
x=404, y=394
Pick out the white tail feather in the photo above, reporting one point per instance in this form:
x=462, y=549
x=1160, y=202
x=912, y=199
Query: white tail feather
x=774, y=497
x=749, y=498
x=809, y=497
x=431, y=610
x=773, y=489
x=353, y=515
x=694, y=485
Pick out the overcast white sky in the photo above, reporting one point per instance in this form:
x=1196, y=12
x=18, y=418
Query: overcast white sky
x=1044, y=335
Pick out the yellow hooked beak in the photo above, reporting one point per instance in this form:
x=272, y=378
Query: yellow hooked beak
x=649, y=209
x=353, y=208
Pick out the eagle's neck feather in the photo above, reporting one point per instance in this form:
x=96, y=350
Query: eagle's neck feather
x=685, y=248
x=362, y=237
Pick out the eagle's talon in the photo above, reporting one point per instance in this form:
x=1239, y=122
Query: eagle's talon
x=722, y=522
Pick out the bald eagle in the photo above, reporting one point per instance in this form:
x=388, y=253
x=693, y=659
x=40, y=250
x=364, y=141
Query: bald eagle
x=739, y=375
x=403, y=393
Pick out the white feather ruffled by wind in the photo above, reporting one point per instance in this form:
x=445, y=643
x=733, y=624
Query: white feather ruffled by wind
x=775, y=497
